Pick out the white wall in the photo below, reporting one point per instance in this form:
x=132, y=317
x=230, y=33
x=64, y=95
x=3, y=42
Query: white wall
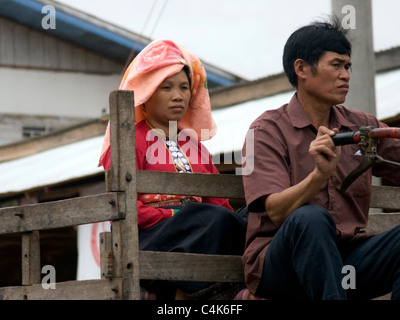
x=64, y=94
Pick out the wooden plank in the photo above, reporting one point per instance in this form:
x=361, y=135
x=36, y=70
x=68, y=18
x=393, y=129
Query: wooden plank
x=385, y=197
x=123, y=178
x=190, y=267
x=104, y=289
x=378, y=222
x=107, y=179
x=209, y=185
x=116, y=237
x=200, y=184
x=226, y=96
x=30, y=258
x=58, y=214
x=106, y=255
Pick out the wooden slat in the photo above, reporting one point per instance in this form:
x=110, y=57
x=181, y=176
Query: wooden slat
x=30, y=258
x=190, y=267
x=104, y=289
x=209, y=185
x=106, y=255
x=378, y=222
x=58, y=214
x=200, y=184
x=385, y=197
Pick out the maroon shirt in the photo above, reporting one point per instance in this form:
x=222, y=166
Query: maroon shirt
x=281, y=141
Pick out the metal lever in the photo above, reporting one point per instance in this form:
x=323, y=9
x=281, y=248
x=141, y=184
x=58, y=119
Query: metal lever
x=380, y=159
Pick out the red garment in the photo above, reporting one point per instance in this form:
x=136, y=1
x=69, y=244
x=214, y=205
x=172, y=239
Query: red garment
x=152, y=154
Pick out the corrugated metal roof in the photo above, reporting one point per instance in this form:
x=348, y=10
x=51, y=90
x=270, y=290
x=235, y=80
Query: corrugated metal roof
x=52, y=166
x=80, y=159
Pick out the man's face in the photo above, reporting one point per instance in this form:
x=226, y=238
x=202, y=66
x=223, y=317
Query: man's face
x=329, y=80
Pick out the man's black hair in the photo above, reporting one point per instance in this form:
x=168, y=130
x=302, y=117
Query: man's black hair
x=311, y=42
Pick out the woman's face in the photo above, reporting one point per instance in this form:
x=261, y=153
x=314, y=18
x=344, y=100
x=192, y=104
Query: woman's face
x=169, y=102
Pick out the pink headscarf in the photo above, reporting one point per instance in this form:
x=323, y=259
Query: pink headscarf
x=157, y=61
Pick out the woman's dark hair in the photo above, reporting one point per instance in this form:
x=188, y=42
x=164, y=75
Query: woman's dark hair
x=311, y=42
x=187, y=71
x=186, y=68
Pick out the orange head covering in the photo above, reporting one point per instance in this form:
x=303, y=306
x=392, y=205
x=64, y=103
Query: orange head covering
x=157, y=61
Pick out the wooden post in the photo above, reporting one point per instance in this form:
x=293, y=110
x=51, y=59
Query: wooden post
x=107, y=256
x=123, y=178
x=30, y=258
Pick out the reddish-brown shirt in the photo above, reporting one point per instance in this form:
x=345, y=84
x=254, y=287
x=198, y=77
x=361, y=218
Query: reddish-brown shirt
x=281, y=159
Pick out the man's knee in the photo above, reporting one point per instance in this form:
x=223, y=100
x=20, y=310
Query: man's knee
x=312, y=215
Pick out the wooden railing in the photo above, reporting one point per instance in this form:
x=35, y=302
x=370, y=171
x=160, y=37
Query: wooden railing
x=122, y=263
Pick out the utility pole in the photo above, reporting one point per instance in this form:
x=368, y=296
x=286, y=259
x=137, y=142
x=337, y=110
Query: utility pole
x=356, y=16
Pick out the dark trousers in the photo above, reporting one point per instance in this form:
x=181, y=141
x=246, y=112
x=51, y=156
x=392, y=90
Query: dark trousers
x=306, y=260
x=196, y=228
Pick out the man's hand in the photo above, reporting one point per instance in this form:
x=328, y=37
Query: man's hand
x=326, y=156
x=324, y=152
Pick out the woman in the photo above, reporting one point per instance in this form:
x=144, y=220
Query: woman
x=172, y=115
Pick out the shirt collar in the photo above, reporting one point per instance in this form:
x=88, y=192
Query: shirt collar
x=299, y=119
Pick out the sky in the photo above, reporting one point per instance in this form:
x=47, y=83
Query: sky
x=245, y=38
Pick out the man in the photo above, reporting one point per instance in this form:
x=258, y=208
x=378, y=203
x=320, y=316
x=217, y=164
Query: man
x=303, y=230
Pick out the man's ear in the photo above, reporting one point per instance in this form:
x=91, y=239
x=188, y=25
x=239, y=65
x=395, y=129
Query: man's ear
x=300, y=68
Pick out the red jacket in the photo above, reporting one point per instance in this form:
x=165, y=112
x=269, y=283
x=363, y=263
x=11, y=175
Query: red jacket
x=152, y=154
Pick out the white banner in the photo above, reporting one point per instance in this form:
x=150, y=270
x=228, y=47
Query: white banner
x=89, y=250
